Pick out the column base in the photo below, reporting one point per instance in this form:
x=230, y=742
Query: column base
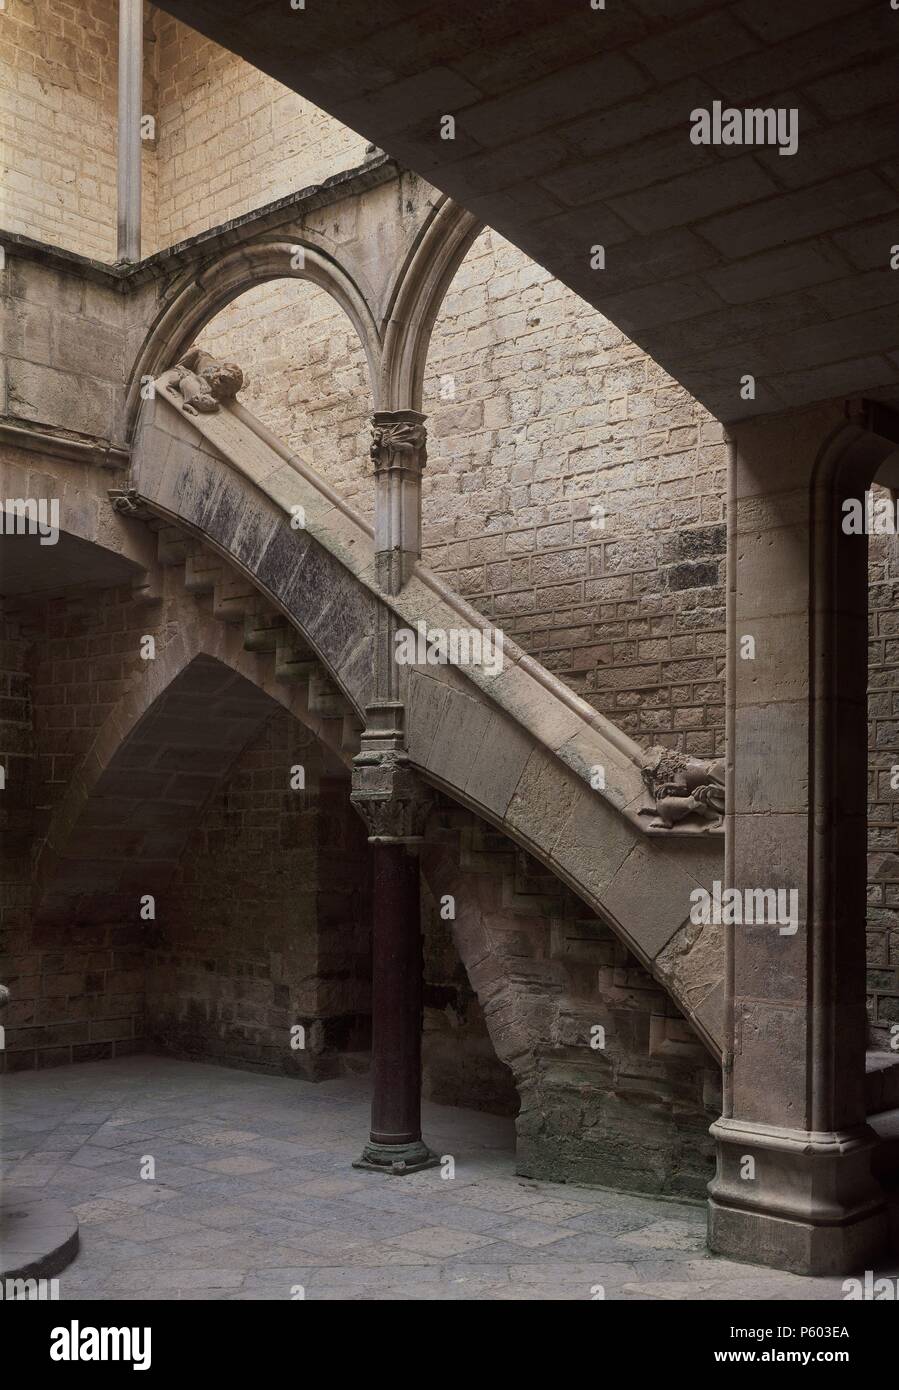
x=397, y=1159
x=807, y=1203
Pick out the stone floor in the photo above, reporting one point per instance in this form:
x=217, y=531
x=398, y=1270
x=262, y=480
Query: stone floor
x=253, y=1195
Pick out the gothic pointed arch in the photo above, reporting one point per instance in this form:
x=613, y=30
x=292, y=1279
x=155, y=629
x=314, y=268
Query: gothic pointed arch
x=196, y=299
x=418, y=294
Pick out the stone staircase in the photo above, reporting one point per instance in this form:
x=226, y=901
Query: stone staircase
x=233, y=600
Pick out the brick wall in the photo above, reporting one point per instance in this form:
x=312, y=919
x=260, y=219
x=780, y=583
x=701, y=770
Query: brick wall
x=227, y=138
x=16, y=797
x=58, y=102
x=630, y=1107
x=77, y=985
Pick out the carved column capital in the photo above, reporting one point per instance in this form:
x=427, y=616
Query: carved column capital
x=399, y=441
x=399, y=454
x=390, y=797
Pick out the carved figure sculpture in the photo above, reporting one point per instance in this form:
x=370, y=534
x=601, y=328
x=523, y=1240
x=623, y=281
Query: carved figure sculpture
x=404, y=437
x=682, y=786
x=204, y=382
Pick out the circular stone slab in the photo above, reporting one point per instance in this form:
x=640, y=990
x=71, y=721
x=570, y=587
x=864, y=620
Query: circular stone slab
x=38, y=1236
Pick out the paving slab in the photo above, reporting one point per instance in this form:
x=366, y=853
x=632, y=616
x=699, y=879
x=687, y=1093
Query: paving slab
x=254, y=1196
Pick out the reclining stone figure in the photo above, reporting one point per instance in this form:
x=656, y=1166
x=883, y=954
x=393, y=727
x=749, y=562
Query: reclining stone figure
x=682, y=786
x=204, y=382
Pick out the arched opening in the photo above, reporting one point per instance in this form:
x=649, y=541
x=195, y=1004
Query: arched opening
x=306, y=377
x=191, y=305
x=198, y=886
x=259, y=955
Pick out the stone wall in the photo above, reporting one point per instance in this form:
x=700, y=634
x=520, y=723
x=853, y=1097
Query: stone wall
x=459, y=1062
x=553, y=415
x=59, y=103
x=77, y=985
x=49, y=379
x=307, y=378
x=883, y=794
x=266, y=924
x=612, y=1084
x=16, y=798
x=227, y=138
x=231, y=139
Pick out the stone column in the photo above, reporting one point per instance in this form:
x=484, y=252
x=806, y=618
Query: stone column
x=399, y=452
x=793, y=1187
x=131, y=70
x=394, y=805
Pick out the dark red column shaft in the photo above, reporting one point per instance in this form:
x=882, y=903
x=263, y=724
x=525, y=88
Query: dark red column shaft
x=396, y=997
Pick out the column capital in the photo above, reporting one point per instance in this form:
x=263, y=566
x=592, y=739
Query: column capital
x=390, y=797
x=399, y=441
x=399, y=453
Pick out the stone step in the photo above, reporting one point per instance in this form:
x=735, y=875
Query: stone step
x=540, y=884
x=530, y=904
x=527, y=890
x=584, y=942
x=202, y=571
x=487, y=841
x=173, y=547
x=454, y=817
x=234, y=598
x=325, y=699
x=477, y=862
x=264, y=630
x=485, y=852
x=881, y=1081
x=293, y=664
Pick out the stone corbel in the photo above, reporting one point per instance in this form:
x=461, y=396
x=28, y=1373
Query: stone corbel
x=127, y=502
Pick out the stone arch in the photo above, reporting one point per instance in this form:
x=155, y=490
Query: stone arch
x=196, y=300
x=418, y=295
x=845, y=468
x=205, y=659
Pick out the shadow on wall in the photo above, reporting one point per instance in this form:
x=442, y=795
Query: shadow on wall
x=262, y=955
